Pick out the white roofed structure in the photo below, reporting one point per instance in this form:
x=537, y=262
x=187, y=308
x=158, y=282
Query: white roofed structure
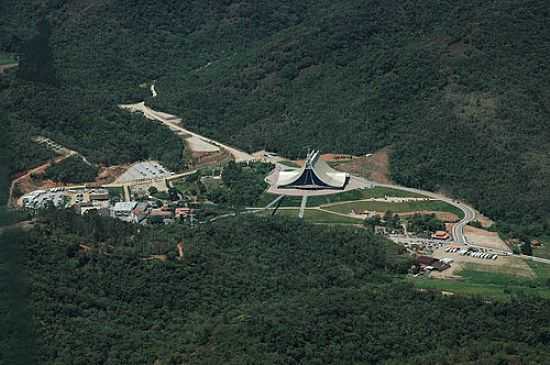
x=316, y=174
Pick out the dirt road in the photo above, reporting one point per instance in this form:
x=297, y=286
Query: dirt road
x=168, y=120
x=27, y=174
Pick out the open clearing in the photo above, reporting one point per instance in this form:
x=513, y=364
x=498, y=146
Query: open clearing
x=144, y=170
x=543, y=251
x=314, y=216
x=7, y=59
x=375, y=167
x=504, y=264
x=494, y=282
x=381, y=207
x=197, y=144
x=485, y=238
x=348, y=196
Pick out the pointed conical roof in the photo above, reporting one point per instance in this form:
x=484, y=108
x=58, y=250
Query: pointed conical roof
x=315, y=174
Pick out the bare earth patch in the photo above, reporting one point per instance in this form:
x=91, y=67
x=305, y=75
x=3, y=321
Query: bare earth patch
x=108, y=175
x=7, y=67
x=485, y=222
x=375, y=167
x=485, y=238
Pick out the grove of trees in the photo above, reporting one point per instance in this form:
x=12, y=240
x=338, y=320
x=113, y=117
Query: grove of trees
x=248, y=291
x=457, y=89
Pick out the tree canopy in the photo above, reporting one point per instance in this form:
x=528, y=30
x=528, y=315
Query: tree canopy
x=247, y=291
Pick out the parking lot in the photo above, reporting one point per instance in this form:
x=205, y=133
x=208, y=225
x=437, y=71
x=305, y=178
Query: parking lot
x=144, y=170
x=503, y=263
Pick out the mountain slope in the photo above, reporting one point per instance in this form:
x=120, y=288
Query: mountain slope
x=458, y=90
x=249, y=291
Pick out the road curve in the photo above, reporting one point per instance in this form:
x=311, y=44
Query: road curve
x=458, y=228
x=240, y=156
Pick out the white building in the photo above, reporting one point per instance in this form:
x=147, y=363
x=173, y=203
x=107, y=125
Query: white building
x=123, y=211
x=316, y=174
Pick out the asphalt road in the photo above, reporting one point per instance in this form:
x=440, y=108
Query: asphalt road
x=458, y=228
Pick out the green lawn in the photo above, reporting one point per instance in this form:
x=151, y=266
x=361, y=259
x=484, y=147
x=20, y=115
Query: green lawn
x=315, y=216
x=181, y=185
x=461, y=288
x=7, y=58
x=543, y=251
x=541, y=270
x=359, y=194
x=436, y=206
x=494, y=285
x=116, y=192
x=289, y=201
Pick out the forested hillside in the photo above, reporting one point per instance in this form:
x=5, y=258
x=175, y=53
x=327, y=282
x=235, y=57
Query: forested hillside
x=459, y=90
x=248, y=291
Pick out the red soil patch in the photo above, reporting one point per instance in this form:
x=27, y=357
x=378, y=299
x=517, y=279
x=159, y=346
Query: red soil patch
x=201, y=159
x=28, y=184
x=375, y=167
x=109, y=174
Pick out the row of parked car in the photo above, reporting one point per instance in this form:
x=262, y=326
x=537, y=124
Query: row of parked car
x=471, y=252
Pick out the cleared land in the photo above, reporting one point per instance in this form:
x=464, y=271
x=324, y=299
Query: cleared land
x=7, y=58
x=197, y=144
x=381, y=207
x=504, y=264
x=485, y=238
x=544, y=250
x=315, y=216
x=144, y=170
x=375, y=167
x=119, y=192
x=359, y=194
x=499, y=285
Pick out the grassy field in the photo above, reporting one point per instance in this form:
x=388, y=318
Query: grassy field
x=181, y=185
x=494, y=285
x=542, y=271
x=436, y=206
x=316, y=216
x=359, y=194
x=116, y=192
x=288, y=201
x=543, y=251
x=7, y=58
x=289, y=163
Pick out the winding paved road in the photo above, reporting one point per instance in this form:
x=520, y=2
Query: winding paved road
x=458, y=228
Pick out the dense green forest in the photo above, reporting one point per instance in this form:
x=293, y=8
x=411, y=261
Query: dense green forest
x=458, y=89
x=248, y=291
x=71, y=170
